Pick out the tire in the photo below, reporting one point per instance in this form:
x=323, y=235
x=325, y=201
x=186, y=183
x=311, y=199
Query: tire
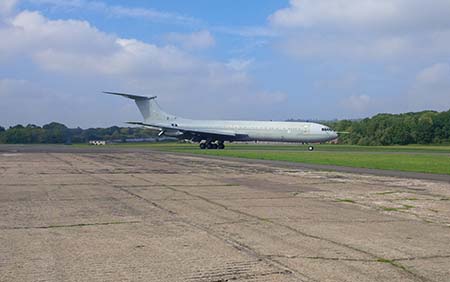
x=221, y=146
x=310, y=148
x=214, y=146
x=202, y=146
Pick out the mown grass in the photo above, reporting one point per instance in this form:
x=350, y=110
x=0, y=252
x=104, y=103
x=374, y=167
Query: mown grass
x=415, y=158
x=403, y=162
x=297, y=147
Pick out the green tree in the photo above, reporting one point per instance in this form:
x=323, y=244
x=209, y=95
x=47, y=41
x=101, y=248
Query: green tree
x=55, y=133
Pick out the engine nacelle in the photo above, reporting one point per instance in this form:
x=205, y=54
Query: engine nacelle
x=173, y=133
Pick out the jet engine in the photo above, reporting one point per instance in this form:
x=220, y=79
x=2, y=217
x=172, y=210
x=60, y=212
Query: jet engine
x=171, y=133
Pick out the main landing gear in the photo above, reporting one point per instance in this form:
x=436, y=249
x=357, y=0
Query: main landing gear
x=212, y=145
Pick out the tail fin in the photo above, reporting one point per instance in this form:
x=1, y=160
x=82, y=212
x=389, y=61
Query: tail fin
x=148, y=107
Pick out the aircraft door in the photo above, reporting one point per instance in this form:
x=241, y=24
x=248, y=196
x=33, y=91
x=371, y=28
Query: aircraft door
x=305, y=129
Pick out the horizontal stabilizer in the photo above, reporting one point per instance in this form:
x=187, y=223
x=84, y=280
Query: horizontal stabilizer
x=143, y=124
x=131, y=96
x=135, y=122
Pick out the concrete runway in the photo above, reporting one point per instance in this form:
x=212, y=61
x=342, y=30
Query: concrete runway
x=151, y=216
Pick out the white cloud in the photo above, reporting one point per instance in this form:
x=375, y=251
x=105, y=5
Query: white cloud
x=436, y=73
x=7, y=6
x=7, y=86
x=262, y=98
x=239, y=64
x=247, y=31
x=357, y=103
x=307, y=13
x=76, y=46
x=36, y=103
x=431, y=89
x=148, y=14
x=345, y=82
x=128, y=58
x=368, y=47
x=364, y=14
x=196, y=40
x=118, y=11
x=364, y=29
x=271, y=97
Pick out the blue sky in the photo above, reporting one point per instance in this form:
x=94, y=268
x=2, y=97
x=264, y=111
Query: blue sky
x=311, y=59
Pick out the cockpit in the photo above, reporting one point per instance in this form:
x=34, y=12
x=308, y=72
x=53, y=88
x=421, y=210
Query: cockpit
x=330, y=133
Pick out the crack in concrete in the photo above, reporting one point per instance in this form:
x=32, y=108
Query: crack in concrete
x=47, y=185
x=66, y=200
x=234, y=243
x=397, y=265
x=146, y=200
x=356, y=259
x=421, y=258
x=177, y=185
x=70, y=225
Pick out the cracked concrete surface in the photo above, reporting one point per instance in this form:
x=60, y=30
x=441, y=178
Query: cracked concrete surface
x=152, y=216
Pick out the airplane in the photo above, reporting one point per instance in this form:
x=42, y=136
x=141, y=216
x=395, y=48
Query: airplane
x=211, y=134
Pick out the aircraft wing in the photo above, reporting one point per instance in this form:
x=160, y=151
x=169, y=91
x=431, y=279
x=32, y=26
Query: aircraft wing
x=209, y=131
x=197, y=132
x=204, y=134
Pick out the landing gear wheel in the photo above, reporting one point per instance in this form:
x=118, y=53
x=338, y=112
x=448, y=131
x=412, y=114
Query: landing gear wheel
x=310, y=148
x=202, y=146
x=209, y=146
x=214, y=146
x=221, y=146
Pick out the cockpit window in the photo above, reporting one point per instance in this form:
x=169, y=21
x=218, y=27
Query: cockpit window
x=326, y=129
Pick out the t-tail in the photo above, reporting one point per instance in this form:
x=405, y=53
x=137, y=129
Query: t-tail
x=148, y=107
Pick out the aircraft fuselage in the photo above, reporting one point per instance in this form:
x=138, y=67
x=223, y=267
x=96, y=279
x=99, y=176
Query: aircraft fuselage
x=307, y=132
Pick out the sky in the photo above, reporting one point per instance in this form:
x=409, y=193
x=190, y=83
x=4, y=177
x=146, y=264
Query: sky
x=222, y=59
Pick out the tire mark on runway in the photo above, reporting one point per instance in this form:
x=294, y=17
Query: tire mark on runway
x=282, y=268
x=260, y=219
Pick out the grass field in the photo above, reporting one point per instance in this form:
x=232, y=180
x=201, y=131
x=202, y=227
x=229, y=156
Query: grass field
x=416, y=158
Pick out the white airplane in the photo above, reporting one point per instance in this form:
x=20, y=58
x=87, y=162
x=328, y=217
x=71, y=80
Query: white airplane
x=211, y=134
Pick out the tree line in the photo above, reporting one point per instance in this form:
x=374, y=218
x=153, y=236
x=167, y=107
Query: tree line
x=427, y=127
x=59, y=133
